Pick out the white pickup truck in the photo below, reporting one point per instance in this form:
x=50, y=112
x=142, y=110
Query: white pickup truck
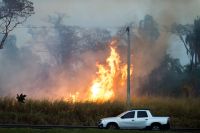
x=135, y=119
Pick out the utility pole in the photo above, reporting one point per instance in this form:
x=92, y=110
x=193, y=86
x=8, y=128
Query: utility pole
x=128, y=67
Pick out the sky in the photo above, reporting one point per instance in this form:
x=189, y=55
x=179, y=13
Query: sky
x=112, y=14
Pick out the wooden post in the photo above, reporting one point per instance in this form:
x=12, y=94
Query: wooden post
x=128, y=67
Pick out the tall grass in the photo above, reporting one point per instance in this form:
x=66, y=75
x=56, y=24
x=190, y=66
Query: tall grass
x=183, y=112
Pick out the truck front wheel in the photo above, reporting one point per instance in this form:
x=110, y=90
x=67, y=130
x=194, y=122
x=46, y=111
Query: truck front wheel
x=112, y=126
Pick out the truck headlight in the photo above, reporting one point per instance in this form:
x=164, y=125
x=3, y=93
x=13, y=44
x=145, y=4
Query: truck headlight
x=100, y=121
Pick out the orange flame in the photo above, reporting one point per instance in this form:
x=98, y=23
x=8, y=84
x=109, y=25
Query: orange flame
x=110, y=81
x=109, y=77
x=72, y=98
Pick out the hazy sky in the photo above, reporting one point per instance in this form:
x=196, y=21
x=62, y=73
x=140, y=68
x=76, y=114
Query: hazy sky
x=111, y=13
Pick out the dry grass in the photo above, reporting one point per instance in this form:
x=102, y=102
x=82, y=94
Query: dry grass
x=183, y=112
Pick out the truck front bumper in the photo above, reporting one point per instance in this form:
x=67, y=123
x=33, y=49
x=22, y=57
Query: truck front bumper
x=100, y=125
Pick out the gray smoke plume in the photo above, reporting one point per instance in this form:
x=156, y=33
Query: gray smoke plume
x=58, y=61
x=61, y=60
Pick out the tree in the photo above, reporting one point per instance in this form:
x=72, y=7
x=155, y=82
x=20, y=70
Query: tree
x=13, y=13
x=148, y=28
x=166, y=79
x=190, y=36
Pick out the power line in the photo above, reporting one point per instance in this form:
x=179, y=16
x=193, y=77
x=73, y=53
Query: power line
x=36, y=27
x=161, y=28
x=42, y=27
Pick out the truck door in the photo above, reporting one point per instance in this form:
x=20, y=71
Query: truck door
x=141, y=119
x=127, y=120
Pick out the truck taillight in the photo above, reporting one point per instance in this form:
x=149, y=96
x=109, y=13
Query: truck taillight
x=168, y=120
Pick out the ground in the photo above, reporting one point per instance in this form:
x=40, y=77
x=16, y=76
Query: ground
x=27, y=130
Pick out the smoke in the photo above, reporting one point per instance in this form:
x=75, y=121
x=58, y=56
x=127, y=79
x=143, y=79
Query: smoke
x=148, y=47
x=147, y=57
x=60, y=61
x=114, y=13
x=18, y=69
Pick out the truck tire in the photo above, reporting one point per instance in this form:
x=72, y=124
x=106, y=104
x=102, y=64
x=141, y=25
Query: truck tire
x=112, y=126
x=156, y=126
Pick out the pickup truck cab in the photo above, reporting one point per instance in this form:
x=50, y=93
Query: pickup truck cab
x=135, y=119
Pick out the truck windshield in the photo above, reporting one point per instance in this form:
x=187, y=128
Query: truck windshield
x=122, y=114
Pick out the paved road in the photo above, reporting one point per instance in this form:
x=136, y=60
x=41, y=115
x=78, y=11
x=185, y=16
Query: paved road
x=42, y=126
x=77, y=126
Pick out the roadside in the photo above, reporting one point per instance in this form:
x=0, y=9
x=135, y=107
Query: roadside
x=29, y=130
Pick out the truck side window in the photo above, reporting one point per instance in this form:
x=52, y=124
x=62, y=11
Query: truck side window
x=142, y=114
x=129, y=115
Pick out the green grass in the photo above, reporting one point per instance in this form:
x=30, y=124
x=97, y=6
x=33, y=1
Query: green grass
x=24, y=130
x=183, y=112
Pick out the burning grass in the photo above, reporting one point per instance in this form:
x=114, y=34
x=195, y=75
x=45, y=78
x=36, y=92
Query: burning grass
x=110, y=79
x=183, y=112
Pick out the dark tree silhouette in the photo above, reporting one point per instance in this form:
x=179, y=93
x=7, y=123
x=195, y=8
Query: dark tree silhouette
x=165, y=79
x=13, y=13
x=148, y=28
x=21, y=98
x=71, y=40
x=190, y=36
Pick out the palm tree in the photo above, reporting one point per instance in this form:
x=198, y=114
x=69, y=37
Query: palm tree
x=190, y=36
x=21, y=98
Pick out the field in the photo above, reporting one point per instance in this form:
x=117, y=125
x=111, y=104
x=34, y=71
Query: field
x=183, y=112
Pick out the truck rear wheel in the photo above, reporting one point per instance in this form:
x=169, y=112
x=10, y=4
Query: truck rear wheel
x=156, y=127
